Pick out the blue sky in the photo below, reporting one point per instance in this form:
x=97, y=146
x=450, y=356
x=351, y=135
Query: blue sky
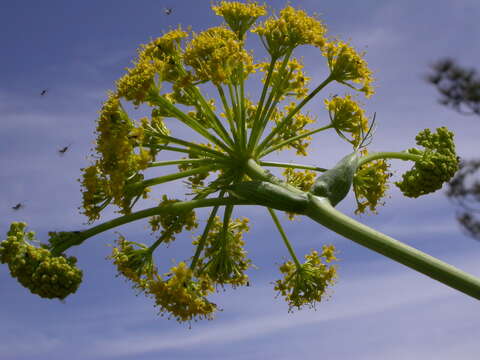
x=378, y=310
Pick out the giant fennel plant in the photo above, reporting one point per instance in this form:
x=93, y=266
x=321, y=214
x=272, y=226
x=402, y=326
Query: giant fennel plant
x=227, y=168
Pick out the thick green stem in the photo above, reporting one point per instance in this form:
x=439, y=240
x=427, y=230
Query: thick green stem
x=256, y=172
x=324, y=213
x=173, y=208
x=285, y=239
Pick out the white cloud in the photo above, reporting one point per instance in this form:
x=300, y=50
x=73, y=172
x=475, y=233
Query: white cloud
x=355, y=296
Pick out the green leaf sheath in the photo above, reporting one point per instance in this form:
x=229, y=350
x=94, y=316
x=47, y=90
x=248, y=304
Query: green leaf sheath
x=321, y=211
x=335, y=183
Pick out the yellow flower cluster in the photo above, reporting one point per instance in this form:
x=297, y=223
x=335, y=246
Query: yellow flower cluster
x=179, y=295
x=137, y=84
x=291, y=82
x=159, y=58
x=96, y=193
x=347, y=116
x=370, y=184
x=166, y=47
x=347, y=65
x=238, y=16
x=224, y=259
x=292, y=28
x=307, y=285
x=182, y=295
x=303, y=180
x=295, y=126
x=172, y=223
x=118, y=165
x=217, y=55
x=37, y=269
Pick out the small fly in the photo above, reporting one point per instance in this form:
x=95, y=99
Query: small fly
x=44, y=91
x=18, y=206
x=63, y=150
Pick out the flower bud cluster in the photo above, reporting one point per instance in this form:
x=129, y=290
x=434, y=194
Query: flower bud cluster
x=36, y=268
x=437, y=165
x=306, y=285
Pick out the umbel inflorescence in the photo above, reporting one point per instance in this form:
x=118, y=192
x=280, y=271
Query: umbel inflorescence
x=226, y=168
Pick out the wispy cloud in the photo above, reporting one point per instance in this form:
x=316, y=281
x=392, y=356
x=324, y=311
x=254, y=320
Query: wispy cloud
x=351, y=301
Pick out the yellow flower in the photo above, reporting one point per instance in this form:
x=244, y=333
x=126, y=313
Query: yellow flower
x=347, y=116
x=224, y=258
x=181, y=295
x=133, y=261
x=300, y=179
x=172, y=223
x=116, y=140
x=139, y=82
x=307, y=284
x=95, y=193
x=291, y=29
x=239, y=17
x=347, y=65
x=295, y=126
x=370, y=184
x=217, y=55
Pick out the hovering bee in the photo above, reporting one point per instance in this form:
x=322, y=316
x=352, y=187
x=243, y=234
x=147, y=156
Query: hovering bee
x=64, y=150
x=18, y=206
x=44, y=91
x=168, y=11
